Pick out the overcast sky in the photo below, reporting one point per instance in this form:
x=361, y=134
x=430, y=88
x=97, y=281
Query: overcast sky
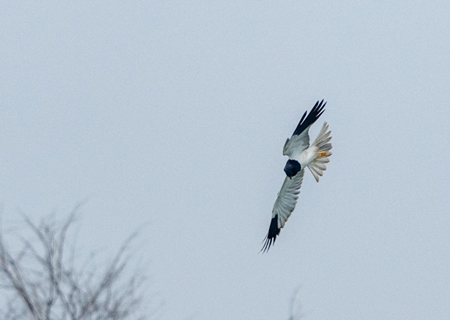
x=174, y=114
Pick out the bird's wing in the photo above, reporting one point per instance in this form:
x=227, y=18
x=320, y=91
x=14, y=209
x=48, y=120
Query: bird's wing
x=283, y=207
x=300, y=138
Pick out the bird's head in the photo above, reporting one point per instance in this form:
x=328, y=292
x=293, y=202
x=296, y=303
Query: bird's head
x=292, y=167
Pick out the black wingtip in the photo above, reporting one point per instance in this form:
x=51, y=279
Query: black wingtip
x=313, y=115
x=274, y=231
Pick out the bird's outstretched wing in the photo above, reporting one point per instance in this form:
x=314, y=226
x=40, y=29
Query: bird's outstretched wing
x=300, y=138
x=283, y=207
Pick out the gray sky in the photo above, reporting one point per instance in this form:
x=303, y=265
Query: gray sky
x=174, y=114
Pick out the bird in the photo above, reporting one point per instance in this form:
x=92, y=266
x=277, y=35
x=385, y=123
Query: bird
x=301, y=155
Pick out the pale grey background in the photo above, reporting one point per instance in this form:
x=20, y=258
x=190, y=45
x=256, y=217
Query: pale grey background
x=174, y=114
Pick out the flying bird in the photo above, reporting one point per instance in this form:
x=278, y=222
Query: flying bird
x=301, y=155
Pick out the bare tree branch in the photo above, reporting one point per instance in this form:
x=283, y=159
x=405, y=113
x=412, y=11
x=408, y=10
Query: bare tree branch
x=295, y=306
x=41, y=283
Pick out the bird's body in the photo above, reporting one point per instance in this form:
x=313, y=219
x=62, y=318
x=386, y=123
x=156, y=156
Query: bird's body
x=301, y=155
x=307, y=156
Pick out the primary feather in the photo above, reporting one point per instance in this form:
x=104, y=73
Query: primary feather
x=300, y=138
x=283, y=207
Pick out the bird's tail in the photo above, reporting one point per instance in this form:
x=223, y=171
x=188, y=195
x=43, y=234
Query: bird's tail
x=322, y=146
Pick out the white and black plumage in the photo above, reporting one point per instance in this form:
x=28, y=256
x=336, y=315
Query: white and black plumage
x=301, y=155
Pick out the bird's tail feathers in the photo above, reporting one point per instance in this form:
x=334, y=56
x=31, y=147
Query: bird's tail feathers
x=323, y=145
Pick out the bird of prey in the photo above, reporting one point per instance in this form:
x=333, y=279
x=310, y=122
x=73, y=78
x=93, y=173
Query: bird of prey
x=301, y=155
